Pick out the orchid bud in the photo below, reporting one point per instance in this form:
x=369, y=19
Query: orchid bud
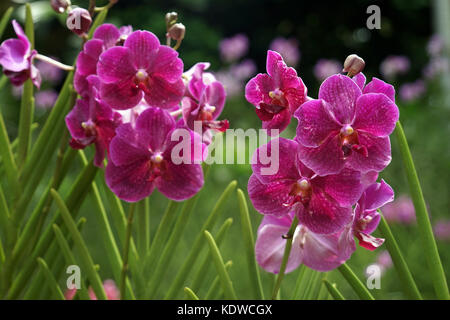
x=171, y=19
x=177, y=31
x=353, y=65
x=79, y=21
x=60, y=6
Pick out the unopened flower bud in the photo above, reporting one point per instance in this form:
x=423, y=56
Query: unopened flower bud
x=79, y=21
x=353, y=65
x=177, y=31
x=171, y=19
x=60, y=6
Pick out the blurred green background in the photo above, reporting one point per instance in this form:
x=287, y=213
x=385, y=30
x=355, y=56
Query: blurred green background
x=323, y=30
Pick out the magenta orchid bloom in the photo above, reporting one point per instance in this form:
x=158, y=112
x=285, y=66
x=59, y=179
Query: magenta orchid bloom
x=92, y=122
x=141, y=159
x=105, y=36
x=204, y=99
x=142, y=68
x=276, y=94
x=321, y=252
x=16, y=58
x=322, y=204
x=346, y=127
x=366, y=217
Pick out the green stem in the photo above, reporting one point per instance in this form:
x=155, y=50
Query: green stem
x=126, y=249
x=287, y=252
x=355, y=283
x=143, y=227
x=85, y=257
x=8, y=158
x=225, y=280
x=27, y=104
x=51, y=281
x=403, y=272
x=5, y=19
x=169, y=249
x=214, y=290
x=333, y=290
x=249, y=240
x=423, y=221
x=205, y=265
x=190, y=294
x=199, y=242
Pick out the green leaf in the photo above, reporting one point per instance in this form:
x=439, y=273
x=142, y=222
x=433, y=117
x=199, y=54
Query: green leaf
x=304, y=273
x=362, y=292
x=126, y=249
x=430, y=250
x=249, y=240
x=35, y=288
x=190, y=294
x=68, y=255
x=143, y=227
x=174, y=239
x=199, y=242
x=85, y=257
x=47, y=139
x=225, y=280
x=215, y=290
x=27, y=103
x=106, y=233
x=400, y=265
x=5, y=19
x=333, y=290
x=51, y=281
x=161, y=234
x=8, y=158
x=203, y=270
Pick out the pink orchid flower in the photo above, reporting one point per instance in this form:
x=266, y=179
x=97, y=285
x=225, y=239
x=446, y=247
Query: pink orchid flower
x=91, y=121
x=16, y=58
x=204, y=99
x=141, y=159
x=322, y=204
x=277, y=94
x=142, y=68
x=321, y=252
x=346, y=127
x=366, y=217
x=105, y=36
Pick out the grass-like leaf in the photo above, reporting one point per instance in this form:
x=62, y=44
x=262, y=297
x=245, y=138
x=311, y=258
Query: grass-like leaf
x=249, y=240
x=227, y=285
x=199, y=242
x=85, y=257
x=430, y=250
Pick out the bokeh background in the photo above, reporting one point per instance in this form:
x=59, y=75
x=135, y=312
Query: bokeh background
x=411, y=51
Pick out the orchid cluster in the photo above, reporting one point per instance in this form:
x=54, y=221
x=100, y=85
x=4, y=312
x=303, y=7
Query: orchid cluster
x=134, y=99
x=327, y=174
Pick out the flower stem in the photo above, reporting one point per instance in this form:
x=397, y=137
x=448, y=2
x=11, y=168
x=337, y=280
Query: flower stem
x=125, y=251
x=335, y=293
x=404, y=274
x=425, y=231
x=355, y=283
x=53, y=62
x=287, y=252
